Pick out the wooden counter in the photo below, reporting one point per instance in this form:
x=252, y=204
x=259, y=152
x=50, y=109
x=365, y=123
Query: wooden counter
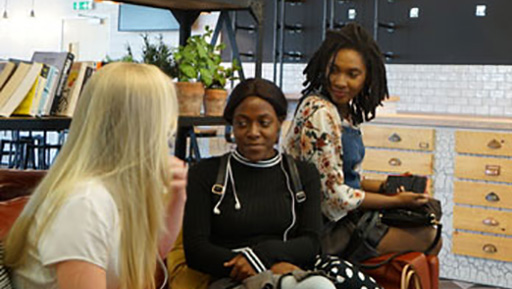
x=445, y=120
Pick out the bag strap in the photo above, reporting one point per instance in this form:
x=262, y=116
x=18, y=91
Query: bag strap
x=437, y=238
x=218, y=187
x=409, y=275
x=297, y=188
x=365, y=223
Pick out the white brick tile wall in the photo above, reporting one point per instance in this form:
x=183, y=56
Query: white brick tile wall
x=484, y=90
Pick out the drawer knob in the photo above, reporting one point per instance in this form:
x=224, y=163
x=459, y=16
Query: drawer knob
x=489, y=248
x=490, y=222
x=494, y=144
x=394, y=138
x=492, y=170
x=395, y=162
x=492, y=197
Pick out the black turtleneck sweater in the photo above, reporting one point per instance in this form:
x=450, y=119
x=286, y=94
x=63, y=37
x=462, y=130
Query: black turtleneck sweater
x=257, y=229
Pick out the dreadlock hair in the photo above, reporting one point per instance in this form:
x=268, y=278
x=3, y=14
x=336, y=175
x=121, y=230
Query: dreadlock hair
x=375, y=90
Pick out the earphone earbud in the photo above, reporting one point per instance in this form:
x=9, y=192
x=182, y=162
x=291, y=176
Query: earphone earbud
x=216, y=211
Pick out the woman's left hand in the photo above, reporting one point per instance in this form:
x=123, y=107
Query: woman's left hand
x=241, y=268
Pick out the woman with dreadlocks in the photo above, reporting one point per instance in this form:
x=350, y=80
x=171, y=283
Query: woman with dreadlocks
x=345, y=82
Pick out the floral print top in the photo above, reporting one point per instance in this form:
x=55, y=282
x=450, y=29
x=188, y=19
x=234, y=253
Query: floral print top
x=315, y=136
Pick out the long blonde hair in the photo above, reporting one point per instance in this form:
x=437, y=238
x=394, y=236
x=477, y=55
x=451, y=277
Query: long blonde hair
x=119, y=134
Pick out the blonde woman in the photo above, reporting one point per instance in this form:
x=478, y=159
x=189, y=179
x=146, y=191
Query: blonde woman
x=113, y=200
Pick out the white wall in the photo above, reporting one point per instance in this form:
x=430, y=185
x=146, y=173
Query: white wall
x=21, y=35
x=482, y=90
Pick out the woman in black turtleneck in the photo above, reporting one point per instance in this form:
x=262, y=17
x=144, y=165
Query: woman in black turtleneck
x=256, y=224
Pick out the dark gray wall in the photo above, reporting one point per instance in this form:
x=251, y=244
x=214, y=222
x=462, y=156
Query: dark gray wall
x=446, y=32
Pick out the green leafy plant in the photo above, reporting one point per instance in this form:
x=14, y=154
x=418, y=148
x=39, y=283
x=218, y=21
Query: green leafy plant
x=222, y=74
x=193, y=59
x=159, y=54
x=200, y=61
x=127, y=58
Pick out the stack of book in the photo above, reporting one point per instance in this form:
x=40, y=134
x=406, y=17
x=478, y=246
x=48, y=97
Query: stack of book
x=49, y=84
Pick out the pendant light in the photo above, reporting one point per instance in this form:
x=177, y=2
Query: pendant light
x=4, y=15
x=32, y=12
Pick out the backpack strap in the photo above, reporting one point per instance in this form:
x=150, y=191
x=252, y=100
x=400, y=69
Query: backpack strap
x=300, y=196
x=218, y=187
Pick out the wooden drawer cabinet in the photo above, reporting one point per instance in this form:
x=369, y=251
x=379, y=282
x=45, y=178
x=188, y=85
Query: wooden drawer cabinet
x=483, y=194
x=483, y=168
x=482, y=246
x=472, y=173
x=397, y=162
x=398, y=137
x=489, y=160
x=485, y=143
x=482, y=220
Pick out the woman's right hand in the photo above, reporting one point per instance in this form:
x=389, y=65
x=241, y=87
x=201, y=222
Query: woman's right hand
x=411, y=200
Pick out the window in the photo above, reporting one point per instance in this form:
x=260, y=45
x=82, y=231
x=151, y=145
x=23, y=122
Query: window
x=142, y=18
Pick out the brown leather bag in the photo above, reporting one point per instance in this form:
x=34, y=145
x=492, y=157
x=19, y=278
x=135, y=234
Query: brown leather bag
x=413, y=270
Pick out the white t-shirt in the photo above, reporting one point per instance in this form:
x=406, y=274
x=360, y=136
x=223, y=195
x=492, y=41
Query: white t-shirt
x=85, y=228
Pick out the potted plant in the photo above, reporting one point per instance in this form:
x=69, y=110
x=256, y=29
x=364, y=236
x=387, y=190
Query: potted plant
x=194, y=67
x=216, y=94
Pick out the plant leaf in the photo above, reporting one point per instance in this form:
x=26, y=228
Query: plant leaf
x=206, y=76
x=188, y=70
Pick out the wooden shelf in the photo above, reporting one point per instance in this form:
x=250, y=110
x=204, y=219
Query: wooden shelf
x=55, y=123
x=49, y=123
x=189, y=121
x=202, y=5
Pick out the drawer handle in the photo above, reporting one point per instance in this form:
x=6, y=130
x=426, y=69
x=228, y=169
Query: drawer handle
x=396, y=162
x=490, y=222
x=489, y=248
x=424, y=145
x=494, y=144
x=394, y=138
x=492, y=170
x=492, y=197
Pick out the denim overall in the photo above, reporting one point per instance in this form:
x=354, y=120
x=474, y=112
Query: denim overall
x=353, y=154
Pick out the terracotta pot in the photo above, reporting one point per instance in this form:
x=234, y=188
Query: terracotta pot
x=215, y=101
x=190, y=97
